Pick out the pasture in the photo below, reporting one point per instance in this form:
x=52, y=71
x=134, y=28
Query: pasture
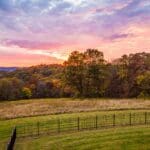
x=124, y=138
x=47, y=111
x=36, y=107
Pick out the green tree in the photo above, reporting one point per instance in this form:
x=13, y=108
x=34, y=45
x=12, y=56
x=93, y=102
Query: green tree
x=85, y=72
x=124, y=74
x=138, y=65
x=143, y=82
x=17, y=85
x=74, y=71
x=95, y=73
x=10, y=88
x=26, y=93
x=5, y=89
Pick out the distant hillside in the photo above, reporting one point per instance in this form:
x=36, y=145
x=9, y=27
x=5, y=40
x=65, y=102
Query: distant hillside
x=8, y=69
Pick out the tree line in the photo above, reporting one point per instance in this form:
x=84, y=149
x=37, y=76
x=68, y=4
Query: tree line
x=84, y=74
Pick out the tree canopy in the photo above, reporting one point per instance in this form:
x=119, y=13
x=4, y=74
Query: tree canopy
x=83, y=74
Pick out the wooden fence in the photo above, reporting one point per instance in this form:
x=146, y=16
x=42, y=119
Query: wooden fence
x=59, y=125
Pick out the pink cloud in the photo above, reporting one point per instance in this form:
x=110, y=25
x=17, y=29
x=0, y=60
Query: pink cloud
x=140, y=42
x=32, y=44
x=38, y=32
x=23, y=60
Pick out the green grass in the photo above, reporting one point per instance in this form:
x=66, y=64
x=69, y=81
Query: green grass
x=124, y=138
x=29, y=112
x=30, y=123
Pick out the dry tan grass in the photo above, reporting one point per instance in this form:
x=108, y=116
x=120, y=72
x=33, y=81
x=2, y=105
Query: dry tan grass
x=26, y=108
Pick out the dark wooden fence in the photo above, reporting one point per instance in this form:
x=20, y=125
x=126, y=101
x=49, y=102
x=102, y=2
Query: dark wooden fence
x=57, y=125
x=69, y=124
x=11, y=143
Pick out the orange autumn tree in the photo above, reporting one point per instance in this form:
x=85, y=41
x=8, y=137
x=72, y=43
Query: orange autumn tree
x=85, y=72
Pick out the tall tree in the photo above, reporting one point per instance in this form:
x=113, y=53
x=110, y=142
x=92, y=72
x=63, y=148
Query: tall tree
x=85, y=72
x=74, y=72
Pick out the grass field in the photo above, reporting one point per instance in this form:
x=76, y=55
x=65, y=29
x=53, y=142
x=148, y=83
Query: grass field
x=124, y=138
x=36, y=107
x=26, y=112
x=30, y=122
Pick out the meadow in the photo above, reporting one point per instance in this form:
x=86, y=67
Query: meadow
x=36, y=107
x=25, y=114
x=124, y=138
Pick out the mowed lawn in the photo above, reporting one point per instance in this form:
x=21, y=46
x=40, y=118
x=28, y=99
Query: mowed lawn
x=123, y=138
x=24, y=112
x=6, y=126
x=36, y=107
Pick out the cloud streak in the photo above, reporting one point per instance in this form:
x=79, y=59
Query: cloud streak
x=34, y=45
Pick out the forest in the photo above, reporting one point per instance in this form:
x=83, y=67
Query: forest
x=84, y=74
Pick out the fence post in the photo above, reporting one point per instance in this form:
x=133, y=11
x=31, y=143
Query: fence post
x=114, y=119
x=96, y=122
x=145, y=117
x=24, y=130
x=11, y=143
x=130, y=119
x=58, y=125
x=78, y=123
x=38, y=128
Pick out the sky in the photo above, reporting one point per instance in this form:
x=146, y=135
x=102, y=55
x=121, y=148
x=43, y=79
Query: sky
x=36, y=32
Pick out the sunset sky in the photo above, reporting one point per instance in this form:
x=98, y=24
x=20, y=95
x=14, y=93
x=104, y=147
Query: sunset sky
x=46, y=31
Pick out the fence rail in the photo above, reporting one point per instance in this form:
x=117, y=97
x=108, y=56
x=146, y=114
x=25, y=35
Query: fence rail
x=83, y=123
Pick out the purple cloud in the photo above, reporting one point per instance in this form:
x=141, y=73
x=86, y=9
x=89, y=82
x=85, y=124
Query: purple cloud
x=66, y=20
x=5, y=5
x=35, y=45
x=119, y=36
